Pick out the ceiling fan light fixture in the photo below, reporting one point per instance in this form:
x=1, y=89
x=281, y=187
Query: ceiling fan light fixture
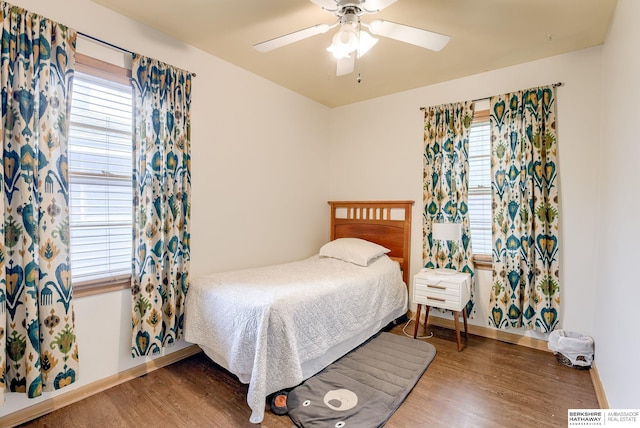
x=348, y=40
x=344, y=42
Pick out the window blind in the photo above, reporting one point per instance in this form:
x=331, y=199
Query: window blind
x=100, y=182
x=480, y=186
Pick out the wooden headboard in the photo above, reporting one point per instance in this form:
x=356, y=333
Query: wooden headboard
x=387, y=223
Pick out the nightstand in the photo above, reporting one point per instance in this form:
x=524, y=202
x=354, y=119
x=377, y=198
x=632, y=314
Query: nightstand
x=450, y=290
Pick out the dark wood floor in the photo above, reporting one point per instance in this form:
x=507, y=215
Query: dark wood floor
x=488, y=384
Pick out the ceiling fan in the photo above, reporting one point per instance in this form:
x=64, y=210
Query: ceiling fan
x=351, y=41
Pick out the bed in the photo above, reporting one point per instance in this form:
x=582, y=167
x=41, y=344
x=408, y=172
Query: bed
x=275, y=326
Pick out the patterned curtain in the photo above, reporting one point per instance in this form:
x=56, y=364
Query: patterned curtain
x=162, y=189
x=40, y=350
x=526, y=290
x=446, y=185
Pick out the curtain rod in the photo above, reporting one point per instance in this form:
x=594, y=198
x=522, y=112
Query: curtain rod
x=555, y=85
x=111, y=45
x=95, y=39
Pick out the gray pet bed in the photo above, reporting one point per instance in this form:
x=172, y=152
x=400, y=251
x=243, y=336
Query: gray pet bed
x=363, y=388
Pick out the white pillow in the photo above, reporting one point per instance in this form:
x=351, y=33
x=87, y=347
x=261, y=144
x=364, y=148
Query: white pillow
x=354, y=250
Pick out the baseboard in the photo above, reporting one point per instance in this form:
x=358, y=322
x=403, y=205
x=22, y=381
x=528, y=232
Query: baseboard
x=62, y=400
x=597, y=385
x=503, y=336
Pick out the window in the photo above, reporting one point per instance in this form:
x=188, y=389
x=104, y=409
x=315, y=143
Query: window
x=100, y=178
x=480, y=186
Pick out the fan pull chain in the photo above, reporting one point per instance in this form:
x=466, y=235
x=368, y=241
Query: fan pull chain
x=359, y=78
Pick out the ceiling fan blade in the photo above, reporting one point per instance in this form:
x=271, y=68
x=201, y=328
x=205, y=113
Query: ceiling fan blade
x=326, y=4
x=287, y=39
x=345, y=65
x=404, y=33
x=376, y=5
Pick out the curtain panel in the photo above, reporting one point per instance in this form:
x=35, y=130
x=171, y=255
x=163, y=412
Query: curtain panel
x=37, y=331
x=162, y=189
x=524, y=168
x=446, y=186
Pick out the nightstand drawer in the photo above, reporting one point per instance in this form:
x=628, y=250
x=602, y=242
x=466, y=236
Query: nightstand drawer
x=438, y=287
x=442, y=301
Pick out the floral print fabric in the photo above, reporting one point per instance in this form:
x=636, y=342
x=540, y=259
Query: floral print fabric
x=526, y=283
x=446, y=186
x=162, y=190
x=37, y=332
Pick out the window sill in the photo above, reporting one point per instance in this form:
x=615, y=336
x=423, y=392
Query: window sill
x=482, y=261
x=90, y=288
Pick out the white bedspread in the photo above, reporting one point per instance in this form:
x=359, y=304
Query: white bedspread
x=273, y=326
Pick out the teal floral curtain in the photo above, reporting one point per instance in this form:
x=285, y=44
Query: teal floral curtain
x=446, y=185
x=37, y=332
x=524, y=167
x=162, y=189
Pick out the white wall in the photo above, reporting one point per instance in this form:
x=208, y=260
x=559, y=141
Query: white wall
x=259, y=163
x=617, y=336
x=377, y=146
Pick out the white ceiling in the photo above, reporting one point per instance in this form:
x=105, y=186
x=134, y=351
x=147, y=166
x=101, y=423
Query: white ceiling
x=485, y=35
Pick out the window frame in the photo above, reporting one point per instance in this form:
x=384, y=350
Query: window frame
x=105, y=70
x=482, y=261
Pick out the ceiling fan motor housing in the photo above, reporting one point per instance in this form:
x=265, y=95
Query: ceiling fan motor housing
x=349, y=8
x=350, y=18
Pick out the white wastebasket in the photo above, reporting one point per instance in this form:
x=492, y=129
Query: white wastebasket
x=572, y=349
